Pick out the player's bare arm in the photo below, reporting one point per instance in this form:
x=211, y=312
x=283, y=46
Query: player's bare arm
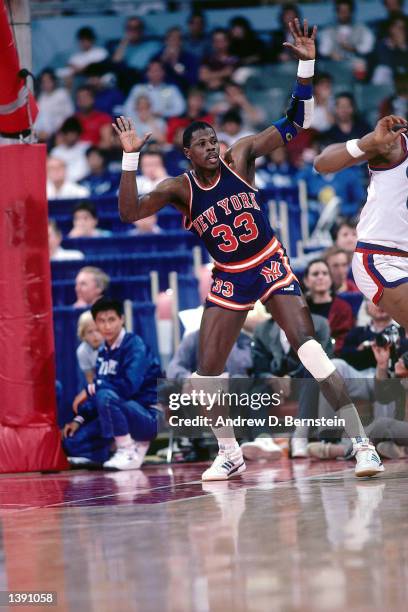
x=383, y=145
x=132, y=206
x=241, y=156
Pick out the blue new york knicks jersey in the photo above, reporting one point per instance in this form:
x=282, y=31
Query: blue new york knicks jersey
x=230, y=221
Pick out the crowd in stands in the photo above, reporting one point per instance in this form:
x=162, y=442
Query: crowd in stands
x=198, y=74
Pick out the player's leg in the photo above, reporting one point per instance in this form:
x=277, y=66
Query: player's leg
x=293, y=316
x=218, y=332
x=395, y=302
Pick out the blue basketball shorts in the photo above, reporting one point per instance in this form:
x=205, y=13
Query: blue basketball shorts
x=241, y=288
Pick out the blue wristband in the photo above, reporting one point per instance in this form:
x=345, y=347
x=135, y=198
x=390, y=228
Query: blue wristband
x=303, y=92
x=286, y=129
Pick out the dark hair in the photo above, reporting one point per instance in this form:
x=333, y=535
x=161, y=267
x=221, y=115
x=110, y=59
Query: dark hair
x=97, y=150
x=242, y=22
x=351, y=223
x=350, y=3
x=311, y=263
x=85, y=33
x=220, y=31
x=194, y=127
x=85, y=88
x=231, y=115
x=50, y=72
x=71, y=124
x=322, y=76
x=195, y=14
x=87, y=206
x=106, y=303
x=289, y=6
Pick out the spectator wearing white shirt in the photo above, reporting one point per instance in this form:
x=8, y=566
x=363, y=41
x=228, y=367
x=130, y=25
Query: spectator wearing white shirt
x=152, y=171
x=323, y=114
x=87, y=351
x=166, y=99
x=57, y=253
x=145, y=121
x=345, y=39
x=54, y=105
x=89, y=53
x=72, y=150
x=58, y=185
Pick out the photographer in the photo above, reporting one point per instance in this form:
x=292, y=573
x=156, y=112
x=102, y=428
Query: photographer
x=357, y=351
x=382, y=385
x=390, y=435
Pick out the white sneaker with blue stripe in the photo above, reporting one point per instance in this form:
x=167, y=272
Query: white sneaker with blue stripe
x=227, y=463
x=367, y=458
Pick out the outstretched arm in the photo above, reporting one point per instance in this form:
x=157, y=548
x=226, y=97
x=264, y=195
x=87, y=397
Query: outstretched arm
x=380, y=146
x=132, y=206
x=299, y=114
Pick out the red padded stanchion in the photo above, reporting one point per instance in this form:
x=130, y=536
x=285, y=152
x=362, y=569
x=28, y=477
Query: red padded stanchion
x=29, y=437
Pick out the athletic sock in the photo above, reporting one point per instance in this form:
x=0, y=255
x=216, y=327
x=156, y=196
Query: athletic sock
x=124, y=441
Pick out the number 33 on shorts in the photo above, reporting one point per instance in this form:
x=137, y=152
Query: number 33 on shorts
x=225, y=288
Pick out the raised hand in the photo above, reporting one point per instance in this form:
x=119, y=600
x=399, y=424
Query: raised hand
x=130, y=141
x=303, y=46
x=388, y=129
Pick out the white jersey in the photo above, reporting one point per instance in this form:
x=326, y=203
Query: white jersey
x=384, y=218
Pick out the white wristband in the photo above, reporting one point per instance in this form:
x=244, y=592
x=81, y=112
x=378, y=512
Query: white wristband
x=306, y=69
x=353, y=148
x=130, y=161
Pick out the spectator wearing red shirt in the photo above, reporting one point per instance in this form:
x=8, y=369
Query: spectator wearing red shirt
x=323, y=302
x=96, y=125
x=195, y=112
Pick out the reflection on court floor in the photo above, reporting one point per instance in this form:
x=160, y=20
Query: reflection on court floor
x=289, y=535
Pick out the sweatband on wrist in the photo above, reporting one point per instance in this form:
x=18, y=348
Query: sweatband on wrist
x=79, y=419
x=286, y=129
x=353, y=148
x=306, y=69
x=130, y=161
x=303, y=92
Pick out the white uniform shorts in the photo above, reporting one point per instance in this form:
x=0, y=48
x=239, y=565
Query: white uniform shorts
x=376, y=268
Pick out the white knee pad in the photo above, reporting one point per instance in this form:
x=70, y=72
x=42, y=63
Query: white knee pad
x=315, y=360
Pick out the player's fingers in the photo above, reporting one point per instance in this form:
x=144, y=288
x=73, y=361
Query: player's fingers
x=314, y=32
x=292, y=30
x=298, y=27
x=289, y=45
x=146, y=138
x=305, y=28
x=120, y=123
x=117, y=130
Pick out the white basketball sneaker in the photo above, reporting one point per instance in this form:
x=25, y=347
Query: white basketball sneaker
x=298, y=448
x=125, y=458
x=368, y=461
x=226, y=464
x=261, y=448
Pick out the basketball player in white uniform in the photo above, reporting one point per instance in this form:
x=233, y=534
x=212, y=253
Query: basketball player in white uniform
x=380, y=261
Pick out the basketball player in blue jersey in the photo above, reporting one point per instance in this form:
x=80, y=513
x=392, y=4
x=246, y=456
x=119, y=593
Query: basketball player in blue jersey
x=220, y=203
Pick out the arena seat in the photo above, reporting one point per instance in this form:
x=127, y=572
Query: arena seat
x=66, y=342
x=127, y=264
x=177, y=240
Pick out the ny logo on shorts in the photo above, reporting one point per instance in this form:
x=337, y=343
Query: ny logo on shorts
x=272, y=273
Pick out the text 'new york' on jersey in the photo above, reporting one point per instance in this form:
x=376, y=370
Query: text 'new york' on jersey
x=229, y=219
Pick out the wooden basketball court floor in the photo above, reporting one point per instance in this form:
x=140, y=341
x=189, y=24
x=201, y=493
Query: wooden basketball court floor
x=292, y=536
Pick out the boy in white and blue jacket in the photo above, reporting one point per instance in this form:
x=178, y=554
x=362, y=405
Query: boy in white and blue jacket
x=119, y=408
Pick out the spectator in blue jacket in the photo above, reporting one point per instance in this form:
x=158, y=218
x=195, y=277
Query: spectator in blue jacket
x=119, y=408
